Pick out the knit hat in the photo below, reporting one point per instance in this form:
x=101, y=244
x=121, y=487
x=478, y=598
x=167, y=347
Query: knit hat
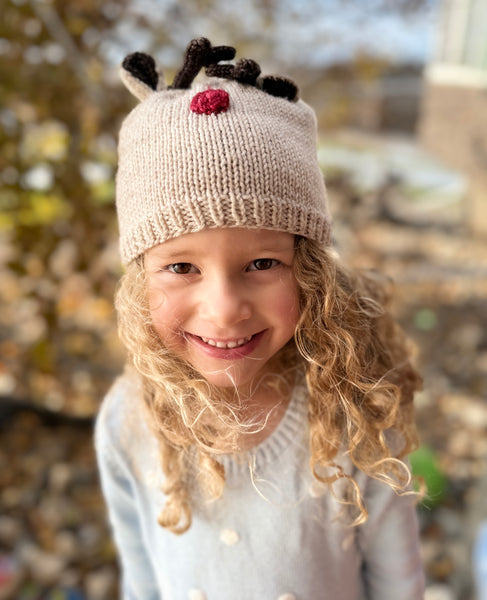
x=236, y=150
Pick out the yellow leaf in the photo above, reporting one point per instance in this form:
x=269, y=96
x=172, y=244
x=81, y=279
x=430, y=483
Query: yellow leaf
x=44, y=209
x=48, y=141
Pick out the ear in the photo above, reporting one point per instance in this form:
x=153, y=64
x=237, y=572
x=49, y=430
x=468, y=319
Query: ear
x=139, y=75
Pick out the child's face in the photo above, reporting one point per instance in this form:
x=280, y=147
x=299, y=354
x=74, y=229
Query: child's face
x=224, y=300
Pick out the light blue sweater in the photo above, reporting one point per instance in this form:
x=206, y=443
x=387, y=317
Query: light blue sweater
x=270, y=537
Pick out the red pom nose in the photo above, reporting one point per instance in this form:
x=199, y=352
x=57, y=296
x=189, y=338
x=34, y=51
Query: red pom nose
x=210, y=102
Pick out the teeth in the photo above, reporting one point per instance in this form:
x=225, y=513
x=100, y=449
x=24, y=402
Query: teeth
x=227, y=345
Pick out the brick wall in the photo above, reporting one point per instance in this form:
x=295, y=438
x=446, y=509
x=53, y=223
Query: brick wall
x=453, y=126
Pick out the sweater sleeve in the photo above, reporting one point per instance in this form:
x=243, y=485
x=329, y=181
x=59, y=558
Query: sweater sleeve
x=118, y=486
x=389, y=542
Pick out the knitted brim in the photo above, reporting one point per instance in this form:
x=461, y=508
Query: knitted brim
x=252, y=165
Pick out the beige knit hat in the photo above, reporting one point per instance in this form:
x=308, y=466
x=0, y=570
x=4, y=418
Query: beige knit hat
x=234, y=151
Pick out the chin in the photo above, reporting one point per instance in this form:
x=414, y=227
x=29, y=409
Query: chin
x=226, y=379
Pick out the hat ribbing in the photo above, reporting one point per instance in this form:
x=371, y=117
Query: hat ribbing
x=250, y=164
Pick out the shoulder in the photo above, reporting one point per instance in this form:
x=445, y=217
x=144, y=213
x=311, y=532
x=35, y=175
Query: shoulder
x=121, y=419
x=125, y=444
x=122, y=399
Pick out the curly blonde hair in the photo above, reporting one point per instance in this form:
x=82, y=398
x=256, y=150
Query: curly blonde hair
x=358, y=371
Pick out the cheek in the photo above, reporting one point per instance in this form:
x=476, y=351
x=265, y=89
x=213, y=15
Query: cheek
x=164, y=314
x=287, y=306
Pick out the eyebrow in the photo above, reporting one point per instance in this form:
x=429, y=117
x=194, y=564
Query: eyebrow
x=272, y=250
x=187, y=254
x=172, y=255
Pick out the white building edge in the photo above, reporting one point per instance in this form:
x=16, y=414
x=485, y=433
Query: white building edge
x=454, y=113
x=461, y=49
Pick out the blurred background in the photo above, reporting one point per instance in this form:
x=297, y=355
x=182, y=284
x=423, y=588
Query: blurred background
x=400, y=89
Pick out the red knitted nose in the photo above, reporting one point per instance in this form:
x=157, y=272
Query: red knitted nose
x=210, y=102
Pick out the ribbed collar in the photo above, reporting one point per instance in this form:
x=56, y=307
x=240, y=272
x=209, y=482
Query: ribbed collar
x=289, y=430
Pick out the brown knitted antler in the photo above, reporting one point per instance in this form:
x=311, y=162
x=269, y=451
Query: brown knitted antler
x=200, y=53
x=279, y=86
x=247, y=71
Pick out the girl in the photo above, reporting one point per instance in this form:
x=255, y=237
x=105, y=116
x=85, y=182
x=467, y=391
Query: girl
x=254, y=447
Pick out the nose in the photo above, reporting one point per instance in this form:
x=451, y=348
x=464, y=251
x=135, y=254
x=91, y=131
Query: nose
x=224, y=302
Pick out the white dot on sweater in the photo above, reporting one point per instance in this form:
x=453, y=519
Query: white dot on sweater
x=229, y=537
x=287, y=597
x=196, y=595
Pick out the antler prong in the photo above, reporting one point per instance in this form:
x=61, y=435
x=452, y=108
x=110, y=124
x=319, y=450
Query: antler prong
x=219, y=53
x=199, y=53
x=247, y=71
x=224, y=71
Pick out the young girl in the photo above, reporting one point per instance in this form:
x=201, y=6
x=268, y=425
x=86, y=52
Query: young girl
x=255, y=446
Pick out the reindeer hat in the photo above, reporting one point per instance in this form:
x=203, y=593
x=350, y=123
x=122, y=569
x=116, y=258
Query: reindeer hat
x=237, y=150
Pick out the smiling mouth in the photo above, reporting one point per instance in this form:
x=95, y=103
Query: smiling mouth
x=227, y=345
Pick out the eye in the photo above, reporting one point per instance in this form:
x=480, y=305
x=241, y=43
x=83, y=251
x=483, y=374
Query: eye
x=263, y=264
x=181, y=268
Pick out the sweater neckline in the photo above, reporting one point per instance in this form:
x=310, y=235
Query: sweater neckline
x=289, y=429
